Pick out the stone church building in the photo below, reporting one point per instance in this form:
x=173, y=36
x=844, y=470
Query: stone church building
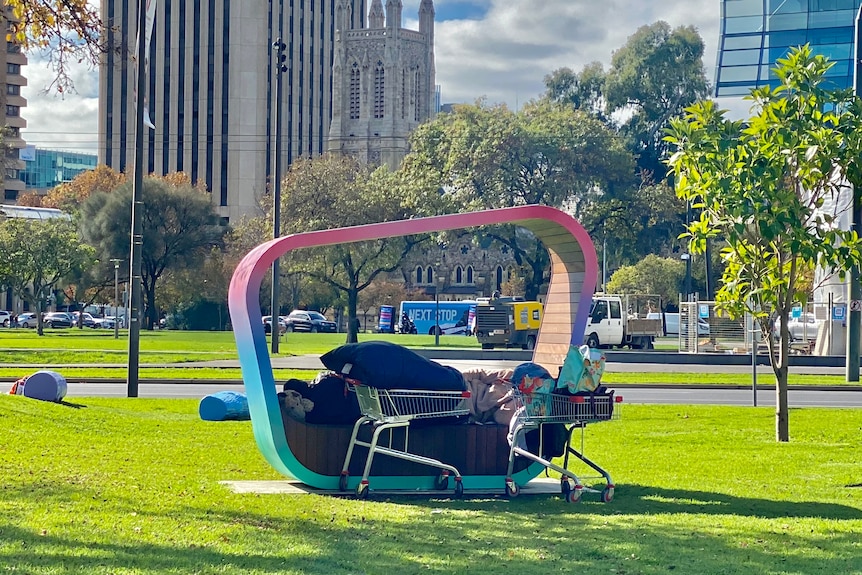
x=382, y=82
x=383, y=88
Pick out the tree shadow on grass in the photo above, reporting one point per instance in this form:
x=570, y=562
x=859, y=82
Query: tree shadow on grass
x=637, y=533
x=70, y=404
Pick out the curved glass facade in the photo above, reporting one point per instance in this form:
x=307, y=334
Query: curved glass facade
x=755, y=33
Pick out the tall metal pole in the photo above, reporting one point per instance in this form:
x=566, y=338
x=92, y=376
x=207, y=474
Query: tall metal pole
x=116, y=297
x=135, y=283
x=436, y=312
x=278, y=47
x=855, y=314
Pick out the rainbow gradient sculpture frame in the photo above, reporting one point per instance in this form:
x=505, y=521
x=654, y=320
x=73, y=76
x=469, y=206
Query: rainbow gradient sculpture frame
x=574, y=271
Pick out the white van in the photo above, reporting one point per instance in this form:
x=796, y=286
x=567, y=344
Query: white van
x=671, y=323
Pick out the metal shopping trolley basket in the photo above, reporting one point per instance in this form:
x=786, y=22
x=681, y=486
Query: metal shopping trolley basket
x=387, y=409
x=575, y=412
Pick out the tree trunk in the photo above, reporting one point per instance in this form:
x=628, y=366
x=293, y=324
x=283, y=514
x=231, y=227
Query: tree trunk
x=150, y=316
x=779, y=360
x=352, y=298
x=782, y=415
x=40, y=328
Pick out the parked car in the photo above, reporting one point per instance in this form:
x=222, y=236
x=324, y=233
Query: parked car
x=27, y=319
x=267, y=324
x=109, y=320
x=57, y=319
x=672, y=327
x=105, y=322
x=5, y=318
x=313, y=321
x=803, y=328
x=87, y=321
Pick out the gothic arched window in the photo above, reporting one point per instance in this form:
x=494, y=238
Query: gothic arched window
x=429, y=274
x=459, y=275
x=379, y=85
x=403, y=94
x=418, y=275
x=499, y=279
x=354, y=91
x=469, y=274
x=417, y=96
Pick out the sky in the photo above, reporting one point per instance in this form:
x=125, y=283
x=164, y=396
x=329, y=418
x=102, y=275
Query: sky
x=499, y=50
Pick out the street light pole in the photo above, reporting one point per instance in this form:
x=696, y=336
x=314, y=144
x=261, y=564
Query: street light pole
x=136, y=251
x=116, y=297
x=687, y=258
x=854, y=315
x=280, y=67
x=436, y=314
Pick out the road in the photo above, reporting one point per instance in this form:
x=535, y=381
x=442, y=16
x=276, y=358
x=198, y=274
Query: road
x=651, y=394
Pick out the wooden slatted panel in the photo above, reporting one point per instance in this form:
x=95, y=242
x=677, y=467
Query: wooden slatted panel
x=473, y=449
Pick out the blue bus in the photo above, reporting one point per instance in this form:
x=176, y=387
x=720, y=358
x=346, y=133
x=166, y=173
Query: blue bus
x=456, y=317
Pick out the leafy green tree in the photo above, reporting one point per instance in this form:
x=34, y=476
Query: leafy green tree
x=484, y=157
x=653, y=78
x=651, y=275
x=334, y=191
x=179, y=225
x=582, y=91
x=35, y=255
x=770, y=189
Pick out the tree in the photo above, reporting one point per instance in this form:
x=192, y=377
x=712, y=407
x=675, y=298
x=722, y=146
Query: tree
x=69, y=196
x=584, y=91
x=179, y=225
x=35, y=255
x=490, y=157
x=333, y=191
x=66, y=31
x=770, y=189
x=651, y=275
x=653, y=78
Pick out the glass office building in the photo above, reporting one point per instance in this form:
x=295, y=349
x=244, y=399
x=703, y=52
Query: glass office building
x=755, y=33
x=46, y=169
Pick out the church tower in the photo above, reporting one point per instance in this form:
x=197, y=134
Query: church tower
x=383, y=82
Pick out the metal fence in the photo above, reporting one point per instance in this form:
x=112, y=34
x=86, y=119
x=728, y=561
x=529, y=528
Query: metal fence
x=703, y=329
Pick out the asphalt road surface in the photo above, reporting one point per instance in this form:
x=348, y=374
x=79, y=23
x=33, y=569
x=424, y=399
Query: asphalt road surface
x=647, y=394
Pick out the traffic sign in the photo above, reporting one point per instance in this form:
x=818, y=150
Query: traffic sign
x=856, y=305
x=839, y=312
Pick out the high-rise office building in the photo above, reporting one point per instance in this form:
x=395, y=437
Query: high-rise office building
x=11, y=82
x=755, y=33
x=210, y=90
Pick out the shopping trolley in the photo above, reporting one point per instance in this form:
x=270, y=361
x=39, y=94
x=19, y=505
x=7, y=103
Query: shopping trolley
x=387, y=409
x=574, y=411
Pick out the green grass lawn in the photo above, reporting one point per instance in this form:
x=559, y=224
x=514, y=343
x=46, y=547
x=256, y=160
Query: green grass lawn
x=131, y=486
x=162, y=354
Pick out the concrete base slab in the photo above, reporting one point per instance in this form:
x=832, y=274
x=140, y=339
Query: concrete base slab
x=538, y=486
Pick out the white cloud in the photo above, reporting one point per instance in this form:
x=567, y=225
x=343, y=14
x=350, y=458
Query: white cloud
x=506, y=55
x=503, y=57
x=61, y=121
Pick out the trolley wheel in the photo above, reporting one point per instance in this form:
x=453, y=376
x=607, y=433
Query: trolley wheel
x=362, y=490
x=512, y=489
x=565, y=485
x=342, y=481
x=608, y=494
x=459, y=489
x=442, y=481
x=573, y=496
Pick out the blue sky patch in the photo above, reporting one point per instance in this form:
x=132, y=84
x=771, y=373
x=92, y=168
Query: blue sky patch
x=460, y=10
